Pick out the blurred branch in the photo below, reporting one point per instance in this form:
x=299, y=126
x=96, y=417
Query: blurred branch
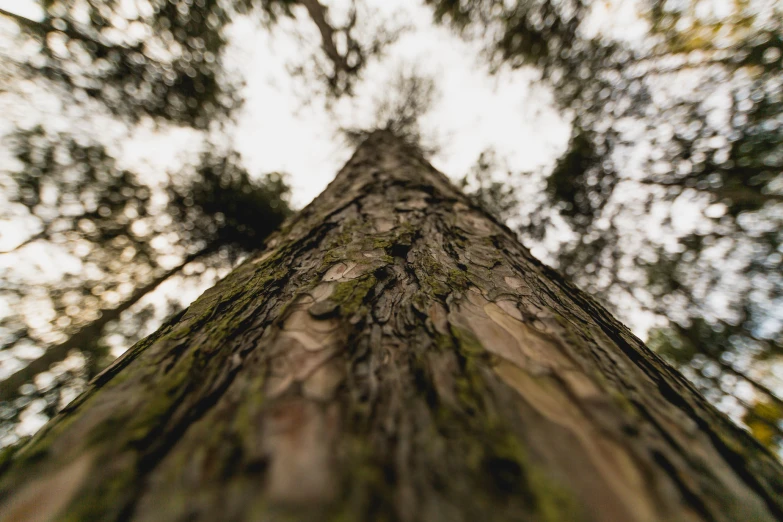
x=347, y=47
x=35, y=237
x=750, y=380
x=23, y=21
x=736, y=191
x=41, y=28
x=651, y=63
x=90, y=332
x=317, y=13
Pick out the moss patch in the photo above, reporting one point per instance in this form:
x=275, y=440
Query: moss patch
x=350, y=295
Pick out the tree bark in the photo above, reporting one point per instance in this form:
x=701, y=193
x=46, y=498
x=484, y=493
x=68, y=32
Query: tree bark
x=394, y=354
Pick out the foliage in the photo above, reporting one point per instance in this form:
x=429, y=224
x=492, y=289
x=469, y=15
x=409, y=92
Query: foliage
x=221, y=203
x=689, y=116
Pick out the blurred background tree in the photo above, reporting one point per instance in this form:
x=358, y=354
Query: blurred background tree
x=669, y=198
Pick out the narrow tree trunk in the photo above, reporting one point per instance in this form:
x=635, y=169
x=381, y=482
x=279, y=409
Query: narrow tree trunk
x=395, y=354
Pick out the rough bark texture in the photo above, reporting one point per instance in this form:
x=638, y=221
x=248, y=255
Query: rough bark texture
x=395, y=354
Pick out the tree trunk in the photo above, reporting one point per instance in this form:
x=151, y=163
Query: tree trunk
x=395, y=354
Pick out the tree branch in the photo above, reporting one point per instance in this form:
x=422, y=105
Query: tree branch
x=9, y=387
x=31, y=239
x=41, y=28
x=25, y=22
x=317, y=13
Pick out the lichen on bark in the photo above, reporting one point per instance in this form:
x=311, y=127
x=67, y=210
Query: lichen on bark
x=393, y=354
